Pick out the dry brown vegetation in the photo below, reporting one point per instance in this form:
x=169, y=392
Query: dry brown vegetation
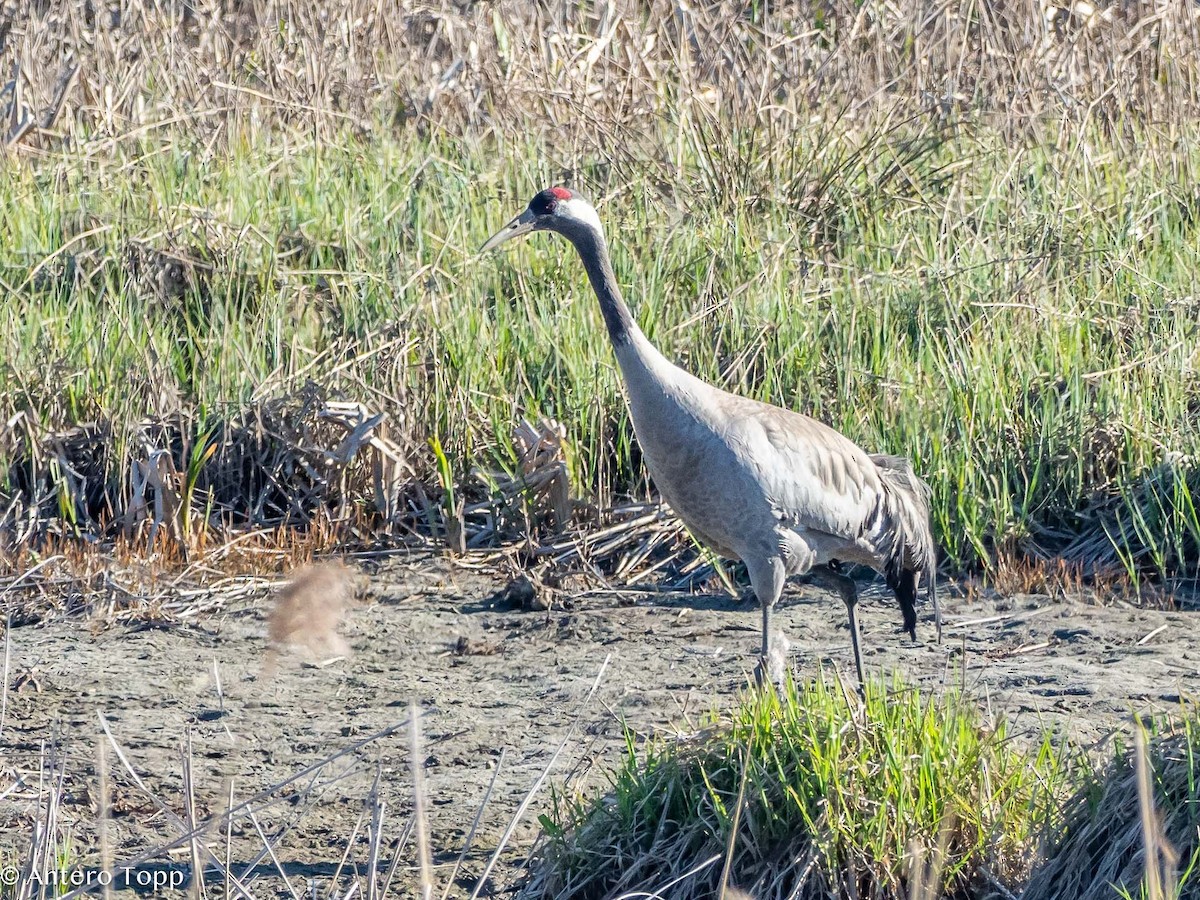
x=126, y=70
x=1114, y=831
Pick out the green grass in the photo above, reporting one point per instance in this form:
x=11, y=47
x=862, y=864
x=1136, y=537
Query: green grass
x=1021, y=320
x=911, y=796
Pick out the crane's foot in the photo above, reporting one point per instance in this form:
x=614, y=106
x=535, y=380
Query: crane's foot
x=772, y=669
x=761, y=679
x=767, y=680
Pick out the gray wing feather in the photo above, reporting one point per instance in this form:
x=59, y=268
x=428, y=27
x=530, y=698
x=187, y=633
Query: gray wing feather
x=814, y=477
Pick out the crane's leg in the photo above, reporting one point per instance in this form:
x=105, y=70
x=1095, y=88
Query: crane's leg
x=767, y=577
x=849, y=590
x=933, y=599
x=856, y=639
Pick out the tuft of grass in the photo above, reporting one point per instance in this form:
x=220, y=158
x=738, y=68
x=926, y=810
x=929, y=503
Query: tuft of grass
x=809, y=794
x=1132, y=829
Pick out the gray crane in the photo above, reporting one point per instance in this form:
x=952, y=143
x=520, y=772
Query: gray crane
x=780, y=491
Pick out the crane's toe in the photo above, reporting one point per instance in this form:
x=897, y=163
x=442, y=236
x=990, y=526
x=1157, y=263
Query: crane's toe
x=760, y=673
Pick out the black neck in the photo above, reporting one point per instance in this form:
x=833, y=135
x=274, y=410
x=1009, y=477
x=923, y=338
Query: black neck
x=594, y=252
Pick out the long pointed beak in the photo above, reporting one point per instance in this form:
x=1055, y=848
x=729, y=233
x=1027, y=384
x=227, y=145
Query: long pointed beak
x=522, y=224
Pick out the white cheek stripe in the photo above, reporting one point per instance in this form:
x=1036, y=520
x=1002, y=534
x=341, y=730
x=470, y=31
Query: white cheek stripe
x=581, y=211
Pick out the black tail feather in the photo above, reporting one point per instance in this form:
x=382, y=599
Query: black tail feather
x=910, y=552
x=904, y=584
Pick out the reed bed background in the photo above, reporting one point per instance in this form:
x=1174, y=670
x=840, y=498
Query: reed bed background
x=238, y=254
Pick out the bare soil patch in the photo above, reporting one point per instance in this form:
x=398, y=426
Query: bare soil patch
x=498, y=689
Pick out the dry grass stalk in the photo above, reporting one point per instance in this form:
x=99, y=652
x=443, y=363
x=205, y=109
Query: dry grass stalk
x=376, y=804
x=469, y=839
x=1160, y=858
x=424, y=856
x=158, y=474
x=198, y=840
x=727, y=892
x=4, y=672
x=925, y=869
x=309, y=611
x=543, y=466
x=1016, y=573
x=41, y=865
x=103, y=817
x=229, y=836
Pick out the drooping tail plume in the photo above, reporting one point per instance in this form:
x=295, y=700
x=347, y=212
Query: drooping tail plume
x=912, y=554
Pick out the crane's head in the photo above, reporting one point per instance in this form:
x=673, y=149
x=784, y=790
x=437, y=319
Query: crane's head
x=554, y=209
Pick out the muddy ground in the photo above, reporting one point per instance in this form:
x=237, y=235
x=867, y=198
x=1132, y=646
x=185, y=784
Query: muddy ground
x=499, y=690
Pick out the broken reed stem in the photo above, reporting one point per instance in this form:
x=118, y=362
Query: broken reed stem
x=4, y=679
x=269, y=850
x=470, y=838
x=228, y=832
x=102, y=817
x=375, y=834
x=1160, y=857
x=189, y=806
x=424, y=860
x=724, y=893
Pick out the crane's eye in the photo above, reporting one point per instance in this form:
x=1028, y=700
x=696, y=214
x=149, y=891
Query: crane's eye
x=544, y=203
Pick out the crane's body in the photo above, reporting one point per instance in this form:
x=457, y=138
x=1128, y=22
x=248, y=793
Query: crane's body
x=779, y=490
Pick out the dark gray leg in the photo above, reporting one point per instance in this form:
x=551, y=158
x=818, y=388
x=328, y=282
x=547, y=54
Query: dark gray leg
x=761, y=675
x=851, y=598
x=933, y=599
x=845, y=586
x=767, y=576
